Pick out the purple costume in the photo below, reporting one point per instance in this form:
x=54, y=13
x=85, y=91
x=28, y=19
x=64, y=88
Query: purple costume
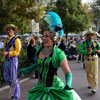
x=10, y=72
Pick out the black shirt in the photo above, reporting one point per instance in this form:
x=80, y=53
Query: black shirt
x=31, y=50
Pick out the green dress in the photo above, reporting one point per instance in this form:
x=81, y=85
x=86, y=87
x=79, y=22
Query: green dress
x=50, y=87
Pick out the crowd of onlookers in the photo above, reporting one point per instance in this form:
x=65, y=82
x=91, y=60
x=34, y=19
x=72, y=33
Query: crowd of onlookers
x=69, y=46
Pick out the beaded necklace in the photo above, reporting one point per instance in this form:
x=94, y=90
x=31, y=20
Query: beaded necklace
x=45, y=51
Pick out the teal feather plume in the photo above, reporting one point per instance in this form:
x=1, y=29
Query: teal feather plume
x=55, y=23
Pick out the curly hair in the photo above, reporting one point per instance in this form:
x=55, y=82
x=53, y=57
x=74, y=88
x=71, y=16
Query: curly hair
x=32, y=41
x=52, y=34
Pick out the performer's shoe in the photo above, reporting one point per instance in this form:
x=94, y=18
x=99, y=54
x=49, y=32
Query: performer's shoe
x=15, y=99
x=93, y=91
x=12, y=97
x=36, y=77
x=89, y=87
x=79, y=61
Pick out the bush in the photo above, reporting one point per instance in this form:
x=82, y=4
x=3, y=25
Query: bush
x=23, y=61
x=1, y=68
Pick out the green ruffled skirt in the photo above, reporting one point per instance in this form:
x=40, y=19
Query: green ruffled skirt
x=56, y=92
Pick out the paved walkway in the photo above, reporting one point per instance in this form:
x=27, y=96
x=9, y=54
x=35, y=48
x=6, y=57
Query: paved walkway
x=79, y=84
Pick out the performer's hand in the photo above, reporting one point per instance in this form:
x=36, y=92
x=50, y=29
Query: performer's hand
x=4, y=53
x=68, y=78
x=97, y=51
x=89, y=50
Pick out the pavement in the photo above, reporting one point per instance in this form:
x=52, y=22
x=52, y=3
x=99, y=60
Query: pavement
x=79, y=84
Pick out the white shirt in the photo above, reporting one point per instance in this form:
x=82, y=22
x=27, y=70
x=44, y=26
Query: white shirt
x=1, y=45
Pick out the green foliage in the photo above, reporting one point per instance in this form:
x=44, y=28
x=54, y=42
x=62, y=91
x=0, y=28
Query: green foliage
x=75, y=17
x=51, y=6
x=23, y=61
x=20, y=13
x=1, y=68
x=96, y=8
x=0, y=54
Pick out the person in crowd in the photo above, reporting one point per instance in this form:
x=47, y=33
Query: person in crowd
x=98, y=39
x=80, y=57
x=12, y=48
x=59, y=41
x=1, y=45
x=62, y=46
x=31, y=51
x=73, y=48
x=89, y=48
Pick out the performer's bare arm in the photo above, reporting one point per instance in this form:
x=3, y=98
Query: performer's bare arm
x=65, y=67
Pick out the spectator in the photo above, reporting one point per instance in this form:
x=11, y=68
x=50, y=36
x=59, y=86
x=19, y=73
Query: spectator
x=31, y=50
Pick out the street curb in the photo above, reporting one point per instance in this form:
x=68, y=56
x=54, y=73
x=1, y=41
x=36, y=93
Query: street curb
x=6, y=87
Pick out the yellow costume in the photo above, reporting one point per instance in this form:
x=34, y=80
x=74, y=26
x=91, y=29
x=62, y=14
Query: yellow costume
x=91, y=61
x=13, y=51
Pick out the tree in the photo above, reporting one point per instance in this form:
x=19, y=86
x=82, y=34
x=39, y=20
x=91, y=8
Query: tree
x=51, y=6
x=20, y=13
x=74, y=17
x=95, y=6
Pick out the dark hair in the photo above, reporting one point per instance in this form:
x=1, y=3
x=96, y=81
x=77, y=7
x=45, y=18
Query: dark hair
x=32, y=41
x=47, y=29
x=58, y=28
x=19, y=37
x=13, y=29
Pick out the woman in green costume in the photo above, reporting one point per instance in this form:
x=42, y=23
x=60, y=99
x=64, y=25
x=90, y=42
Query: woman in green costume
x=49, y=59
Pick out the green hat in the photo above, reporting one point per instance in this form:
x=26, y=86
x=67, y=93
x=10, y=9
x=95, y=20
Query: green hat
x=91, y=33
x=10, y=26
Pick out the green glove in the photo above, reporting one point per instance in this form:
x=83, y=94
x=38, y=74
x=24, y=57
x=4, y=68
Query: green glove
x=68, y=78
x=27, y=69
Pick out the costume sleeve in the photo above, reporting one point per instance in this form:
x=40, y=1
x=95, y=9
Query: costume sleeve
x=98, y=45
x=58, y=57
x=28, y=69
x=82, y=50
x=61, y=56
x=17, y=50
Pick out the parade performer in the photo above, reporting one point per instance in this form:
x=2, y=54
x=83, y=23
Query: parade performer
x=12, y=48
x=89, y=48
x=49, y=58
